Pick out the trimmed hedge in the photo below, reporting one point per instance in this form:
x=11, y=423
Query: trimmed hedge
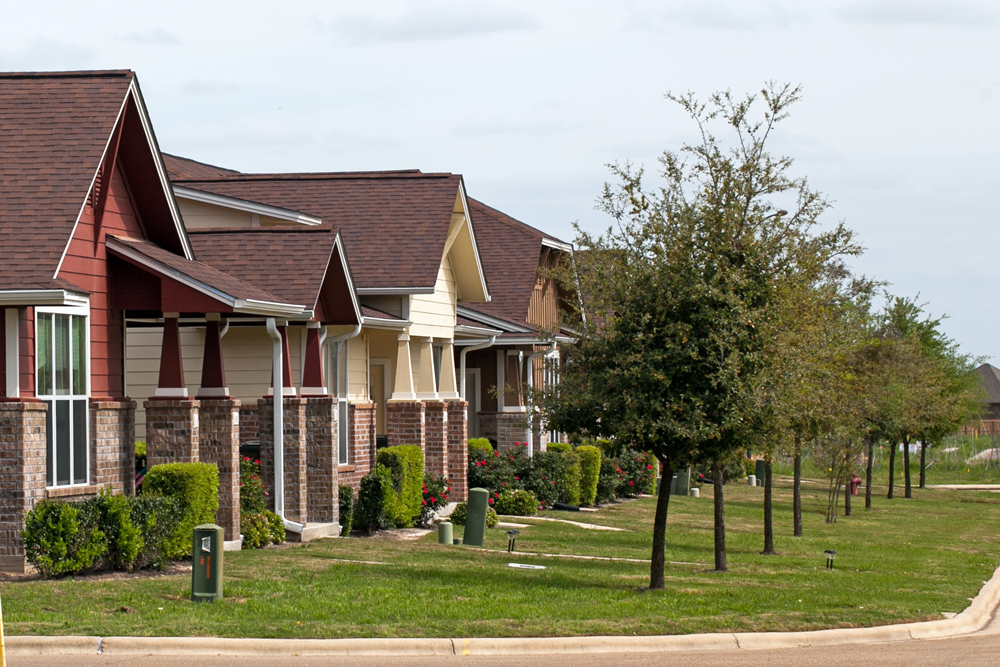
x=563, y=447
x=590, y=472
x=480, y=445
x=461, y=512
x=406, y=464
x=517, y=503
x=195, y=486
x=607, y=481
x=346, y=510
x=376, y=500
x=58, y=540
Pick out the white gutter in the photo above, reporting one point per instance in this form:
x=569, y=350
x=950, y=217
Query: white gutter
x=42, y=297
x=335, y=382
x=245, y=205
x=279, y=426
x=531, y=385
x=466, y=350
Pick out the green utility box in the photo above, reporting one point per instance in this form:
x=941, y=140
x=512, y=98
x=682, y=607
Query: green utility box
x=206, y=570
x=475, y=518
x=681, y=482
x=760, y=470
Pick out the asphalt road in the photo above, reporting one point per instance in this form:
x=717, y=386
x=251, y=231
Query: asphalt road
x=978, y=650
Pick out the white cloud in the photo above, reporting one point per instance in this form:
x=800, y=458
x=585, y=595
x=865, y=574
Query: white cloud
x=154, y=36
x=919, y=12
x=429, y=23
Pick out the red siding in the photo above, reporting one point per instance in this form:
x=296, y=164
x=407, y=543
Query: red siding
x=88, y=268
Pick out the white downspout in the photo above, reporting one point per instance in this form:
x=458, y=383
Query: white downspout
x=461, y=365
x=531, y=385
x=278, y=385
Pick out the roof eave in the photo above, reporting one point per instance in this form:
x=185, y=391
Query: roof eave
x=42, y=297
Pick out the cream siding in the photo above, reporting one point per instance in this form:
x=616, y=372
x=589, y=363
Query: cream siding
x=434, y=314
x=357, y=369
x=199, y=215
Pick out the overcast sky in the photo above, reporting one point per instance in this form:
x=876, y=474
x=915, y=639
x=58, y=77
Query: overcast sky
x=530, y=100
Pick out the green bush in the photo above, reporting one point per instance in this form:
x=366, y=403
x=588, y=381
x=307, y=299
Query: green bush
x=608, y=480
x=253, y=527
x=62, y=538
x=749, y=467
x=123, y=537
x=517, y=503
x=253, y=495
x=549, y=477
x=590, y=472
x=346, y=510
x=480, y=445
x=637, y=473
x=156, y=517
x=275, y=527
x=461, y=512
x=140, y=448
x=435, y=496
x=563, y=447
x=570, y=489
x=406, y=465
x=375, y=501
x=196, y=488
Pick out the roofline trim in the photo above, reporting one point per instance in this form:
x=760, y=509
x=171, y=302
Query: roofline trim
x=249, y=306
x=472, y=233
x=245, y=205
x=476, y=331
x=42, y=297
x=558, y=245
x=470, y=314
x=380, y=323
x=393, y=291
x=338, y=245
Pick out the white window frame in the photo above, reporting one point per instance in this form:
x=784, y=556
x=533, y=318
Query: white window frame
x=77, y=311
x=550, y=378
x=503, y=360
x=339, y=389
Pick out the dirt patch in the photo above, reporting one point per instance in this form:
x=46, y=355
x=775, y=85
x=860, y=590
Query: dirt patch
x=172, y=569
x=402, y=534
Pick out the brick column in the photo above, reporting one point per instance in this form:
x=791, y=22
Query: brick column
x=249, y=423
x=360, y=444
x=512, y=427
x=404, y=423
x=296, y=474
x=22, y=475
x=112, y=441
x=436, y=437
x=540, y=436
x=219, y=443
x=323, y=501
x=171, y=431
x=458, y=450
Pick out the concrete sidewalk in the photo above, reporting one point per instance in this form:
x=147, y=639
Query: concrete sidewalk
x=974, y=618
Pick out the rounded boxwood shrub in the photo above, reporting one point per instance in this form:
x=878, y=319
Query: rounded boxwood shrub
x=590, y=472
x=376, y=501
x=346, y=509
x=406, y=465
x=254, y=529
x=517, y=502
x=461, y=512
x=196, y=488
x=62, y=538
x=563, y=447
x=480, y=445
x=275, y=527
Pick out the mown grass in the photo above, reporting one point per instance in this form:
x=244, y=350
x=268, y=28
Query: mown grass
x=907, y=561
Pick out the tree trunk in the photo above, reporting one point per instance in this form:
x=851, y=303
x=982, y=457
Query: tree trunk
x=660, y=531
x=720, y=519
x=868, y=473
x=847, y=483
x=923, y=464
x=892, y=467
x=768, y=516
x=797, y=492
x=908, y=491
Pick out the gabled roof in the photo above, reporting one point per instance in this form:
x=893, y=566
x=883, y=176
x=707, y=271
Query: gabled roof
x=293, y=263
x=510, y=250
x=55, y=130
x=182, y=167
x=395, y=224
x=991, y=381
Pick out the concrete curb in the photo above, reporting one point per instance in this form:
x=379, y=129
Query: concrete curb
x=975, y=617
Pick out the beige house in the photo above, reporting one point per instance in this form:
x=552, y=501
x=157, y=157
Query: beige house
x=406, y=241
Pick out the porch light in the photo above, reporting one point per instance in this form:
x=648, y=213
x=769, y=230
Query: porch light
x=830, y=555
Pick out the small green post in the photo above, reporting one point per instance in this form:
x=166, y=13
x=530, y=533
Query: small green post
x=445, y=533
x=475, y=519
x=760, y=470
x=206, y=557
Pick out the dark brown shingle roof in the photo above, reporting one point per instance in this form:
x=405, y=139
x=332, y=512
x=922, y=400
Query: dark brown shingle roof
x=197, y=271
x=54, y=127
x=289, y=262
x=182, y=167
x=394, y=224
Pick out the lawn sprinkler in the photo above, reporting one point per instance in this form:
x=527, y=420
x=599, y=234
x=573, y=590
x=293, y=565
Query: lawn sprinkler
x=511, y=539
x=830, y=555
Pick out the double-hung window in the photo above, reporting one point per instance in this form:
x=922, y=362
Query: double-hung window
x=62, y=381
x=337, y=377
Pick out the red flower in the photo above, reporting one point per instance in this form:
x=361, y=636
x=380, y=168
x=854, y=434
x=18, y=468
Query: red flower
x=649, y=467
x=432, y=499
x=630, y=483
x=516, y=477
x=491, y=501
x=423, y=502
x=495, y=453
x=448, y=489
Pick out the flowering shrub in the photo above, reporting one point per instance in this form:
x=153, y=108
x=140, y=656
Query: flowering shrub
x=436, y=491
x=637, y=473
x=253, y=495
x=461, y=513
x=258, y=525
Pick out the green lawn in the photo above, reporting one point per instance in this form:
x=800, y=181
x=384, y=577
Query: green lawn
x=908, y=561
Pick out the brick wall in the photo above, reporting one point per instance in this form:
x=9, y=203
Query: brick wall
x=323, y=502
x=404, y=423
x=22, y=475
x=219, y=443
x=506, y=428
x=171, y=431
x=458, y=450
x=296, y=475
x=112, y=444
x=360, y=444
x=249, y=423
x=435, y=443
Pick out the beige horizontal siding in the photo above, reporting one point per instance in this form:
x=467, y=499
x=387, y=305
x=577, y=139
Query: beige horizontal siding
x=434, y=314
